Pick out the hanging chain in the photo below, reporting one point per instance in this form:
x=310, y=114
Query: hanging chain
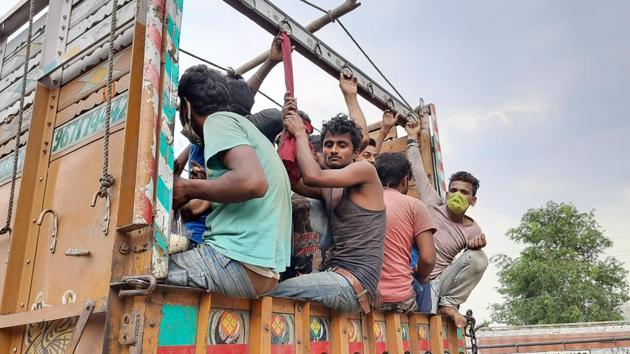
x=107, y=180
x=16, y=152
x=469, y=331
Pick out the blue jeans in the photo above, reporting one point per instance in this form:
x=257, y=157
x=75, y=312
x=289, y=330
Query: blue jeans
x=328, y=288
x=205, y=267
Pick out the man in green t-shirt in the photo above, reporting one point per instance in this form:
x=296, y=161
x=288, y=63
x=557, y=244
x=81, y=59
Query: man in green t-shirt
x=248, y=238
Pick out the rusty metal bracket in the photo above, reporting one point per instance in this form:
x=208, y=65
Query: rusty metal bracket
x=130, y=332
x=88, y=307
x=53, y=235
x=76, y=252
x=142, y=285
x=105, y=226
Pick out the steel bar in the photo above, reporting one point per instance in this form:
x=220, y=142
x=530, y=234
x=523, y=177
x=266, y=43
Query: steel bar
x=557, y=342
x=312, y=27
x=48, y=314
x=272, y=19
x=18, y=16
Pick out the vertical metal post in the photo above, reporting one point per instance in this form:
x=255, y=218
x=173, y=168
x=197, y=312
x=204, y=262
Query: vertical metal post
x=57, y=27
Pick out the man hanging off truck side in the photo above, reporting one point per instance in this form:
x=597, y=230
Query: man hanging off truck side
x=452, y=279
x=247, y=242
x=353, y=196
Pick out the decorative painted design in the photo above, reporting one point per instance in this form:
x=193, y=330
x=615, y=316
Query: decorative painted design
x=423, y=337
x=6, y=164
x=380, y=336
x=39, y=302
x=88, y=124
x=228, y=331
x=355, y=337
x=319, y=328
x=460, y=341
x=282, y=333
x=178, y=329
x=49, y=337
x=437, y=152
x=69, y=297
x=445, y=338
x=405, y=336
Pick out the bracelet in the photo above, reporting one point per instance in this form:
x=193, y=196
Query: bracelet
x=412, y=141
x=258, y=77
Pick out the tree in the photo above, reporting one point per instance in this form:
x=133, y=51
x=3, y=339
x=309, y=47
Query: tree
x=562, y=275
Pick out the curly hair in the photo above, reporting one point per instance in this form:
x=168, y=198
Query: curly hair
x=340, y=125
x=465, y=177
x=205, y=89
x=241, y=96
x=392, y=168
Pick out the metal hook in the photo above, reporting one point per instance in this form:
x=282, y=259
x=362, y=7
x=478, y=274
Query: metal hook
x=346, y=70
x=390, y=103
x=107, y=209
x=317, y=49
x=53, y=235
x=285, y=26
x=370, y=87
x=249, y=3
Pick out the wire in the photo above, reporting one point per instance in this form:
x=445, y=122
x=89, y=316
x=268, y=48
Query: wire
x=363, y=52
x=225, y=69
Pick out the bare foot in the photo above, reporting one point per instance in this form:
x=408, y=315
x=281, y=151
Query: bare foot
x=458, y=318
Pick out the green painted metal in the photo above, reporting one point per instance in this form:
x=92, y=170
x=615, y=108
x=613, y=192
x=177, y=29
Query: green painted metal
x=178, y=326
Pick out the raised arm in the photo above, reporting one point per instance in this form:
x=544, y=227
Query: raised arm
x=348, y=86
x=275, y=56
x=427, y=193
x=244, y=180
x=389, y=121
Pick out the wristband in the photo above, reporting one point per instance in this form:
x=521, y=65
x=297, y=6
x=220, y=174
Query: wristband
x=412, y=141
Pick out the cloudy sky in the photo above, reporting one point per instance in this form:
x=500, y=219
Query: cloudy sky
x=531, y=95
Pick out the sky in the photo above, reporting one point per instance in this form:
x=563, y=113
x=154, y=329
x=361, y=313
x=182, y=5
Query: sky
x=531, y=96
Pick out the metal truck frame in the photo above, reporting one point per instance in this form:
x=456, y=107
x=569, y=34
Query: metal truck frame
x=87, y=109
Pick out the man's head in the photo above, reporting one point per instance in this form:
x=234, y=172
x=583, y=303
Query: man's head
x=394, y=171
x=201, y=91
x=241, y=97
x=316, y=140
x=369, y=153
x=464, y=183
x=341, y=141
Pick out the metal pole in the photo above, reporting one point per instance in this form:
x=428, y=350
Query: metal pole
x=271, y=18
x=312, y=27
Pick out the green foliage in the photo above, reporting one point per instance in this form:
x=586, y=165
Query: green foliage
x=562, y=275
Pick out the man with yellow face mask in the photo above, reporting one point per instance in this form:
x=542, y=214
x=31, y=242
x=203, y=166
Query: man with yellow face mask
x=452, y=279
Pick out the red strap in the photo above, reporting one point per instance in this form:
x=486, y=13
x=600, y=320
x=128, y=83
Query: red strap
x=288, y=64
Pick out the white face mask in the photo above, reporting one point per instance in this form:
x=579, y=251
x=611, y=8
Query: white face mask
x=187, y=130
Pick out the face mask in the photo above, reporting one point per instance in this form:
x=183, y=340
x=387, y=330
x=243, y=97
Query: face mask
x=187, y=131
x=457, y=203
x=190, y=134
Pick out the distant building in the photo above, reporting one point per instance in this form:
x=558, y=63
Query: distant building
x=577, y=338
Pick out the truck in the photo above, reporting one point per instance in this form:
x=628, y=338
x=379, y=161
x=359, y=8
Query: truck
x=88, y=94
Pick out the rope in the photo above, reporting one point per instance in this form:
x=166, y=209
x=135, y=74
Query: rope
x=225, y=69
x=16, y=152
x=107, y=180
x=363, y=52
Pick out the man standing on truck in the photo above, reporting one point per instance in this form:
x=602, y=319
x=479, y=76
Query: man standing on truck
x=452, y=280
x=353, y=196
x=408, y=223
x=248, y=238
